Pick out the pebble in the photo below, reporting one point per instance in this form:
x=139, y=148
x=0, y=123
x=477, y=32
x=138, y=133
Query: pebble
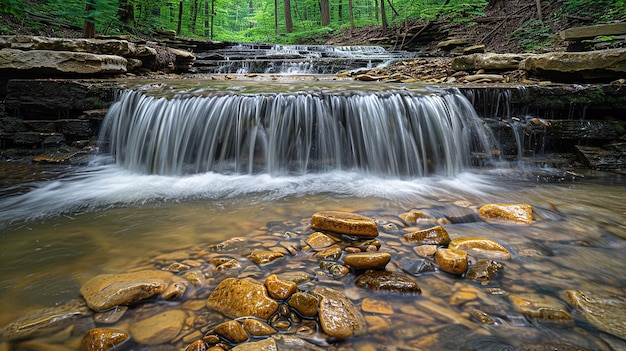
x=329, y=253
x=516, y=213
x=480, y=247
x=232, y=331
x=257, y=327
x=242, y=297
x=541, y=307
x=102, y=339
x=263, y=258
x=452, y=261
x=197, y=345
x=306, y=304
x=388, y=282
x=605, y=312
x=367, y=260
x=484, y=270
x=416, y=266
x=345, y=223
x=338, y=316
x=278, y=288
x=431, y=236
x=319, y=240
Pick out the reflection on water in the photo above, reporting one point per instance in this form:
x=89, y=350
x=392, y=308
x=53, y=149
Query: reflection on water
x=57, y=233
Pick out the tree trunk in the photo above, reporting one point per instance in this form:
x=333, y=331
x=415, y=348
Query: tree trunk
x=180, y=18
x=288, y=20
x=383, y=15
x=89, y=26
x=325, y=12
x=126, y=13
x=539, y=12
x=351, y=17
x=275, y=17
x=194, y=16
x=212, y=18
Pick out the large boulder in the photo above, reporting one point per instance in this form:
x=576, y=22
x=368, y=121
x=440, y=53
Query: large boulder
x=587, y=32
x=64, y=62
x=488, y=61
x=94, y=46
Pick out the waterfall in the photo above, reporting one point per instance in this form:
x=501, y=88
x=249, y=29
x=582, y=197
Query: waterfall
x=391, y=133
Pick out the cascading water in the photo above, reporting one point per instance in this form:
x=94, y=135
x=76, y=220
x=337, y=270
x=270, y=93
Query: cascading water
x=396, y=133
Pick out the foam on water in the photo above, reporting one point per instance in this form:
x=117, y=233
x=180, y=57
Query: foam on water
x=103, y=185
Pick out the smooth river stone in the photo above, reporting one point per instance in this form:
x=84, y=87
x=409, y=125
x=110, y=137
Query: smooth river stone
x=452, y=261
x=345, y=223
x=231, y=331
x=338, y=316
x=306, y=304
x=367, y=260
x=242, y=297
x=158, y=329
x=541, y=307
x=109, y=290
x=319, y=240
x=384, y=281
x=482, y=247
x=263, y=258
x=607, y=313
x=256, y=327
x=278, y=288
x=102, y=339
x=518, y=213
x=431, y=236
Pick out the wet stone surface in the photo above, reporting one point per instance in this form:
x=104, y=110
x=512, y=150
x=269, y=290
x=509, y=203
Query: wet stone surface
x=342, y=281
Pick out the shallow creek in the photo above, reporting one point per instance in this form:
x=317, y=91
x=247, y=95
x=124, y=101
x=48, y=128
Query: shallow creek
x=76, y=222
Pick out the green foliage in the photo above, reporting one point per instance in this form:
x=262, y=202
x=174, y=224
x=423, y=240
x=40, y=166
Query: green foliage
x=533, y=34
x=12, y=8
x=597, y=9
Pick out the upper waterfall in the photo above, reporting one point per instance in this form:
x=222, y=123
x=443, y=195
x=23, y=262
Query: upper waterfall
x=389, y=133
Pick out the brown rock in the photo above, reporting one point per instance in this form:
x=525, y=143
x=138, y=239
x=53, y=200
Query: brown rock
x=607, y=313
x=414, y=215
x=338, y=317
x=484, y=270
x=319, y=240
x=306, y=304
x=452, y=261
x=329, y=253
x=231, y=331
x=160, y=328
x=345, y=223
x=592, y=64
x=431, y=236
x=278, y=288
x=197, y=345
x=376, y=306
x=109, y=290
x=520, y=213
x=365, y=260
x=242, y=297
x=61, y=62
x=256, y=327
x=388, y=282
x=480, y=247
x=102, y=339
x=263, y=258
x=541, y=307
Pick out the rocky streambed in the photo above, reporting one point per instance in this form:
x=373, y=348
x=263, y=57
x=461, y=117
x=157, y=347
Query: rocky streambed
x=343, y=281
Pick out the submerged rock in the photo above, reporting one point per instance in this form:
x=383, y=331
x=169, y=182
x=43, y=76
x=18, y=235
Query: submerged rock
x=338, y=316
x=278, y=288
x=484, y=270
x=607, y=313
x=345, y=223
x=109, y=290
x=520, y=213
x=232, y=331
x=159, y=328
x=384, y=281
x=431, y=236
x=242, y=297
x=45, y=321
x=541, y=307
x=481, y=247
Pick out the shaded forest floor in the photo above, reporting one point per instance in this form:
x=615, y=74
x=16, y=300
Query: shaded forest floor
x=511, y=27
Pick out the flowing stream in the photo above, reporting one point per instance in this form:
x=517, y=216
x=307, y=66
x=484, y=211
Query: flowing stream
x=201, y=166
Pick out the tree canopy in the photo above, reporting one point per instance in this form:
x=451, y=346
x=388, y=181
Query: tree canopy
x=286, y=21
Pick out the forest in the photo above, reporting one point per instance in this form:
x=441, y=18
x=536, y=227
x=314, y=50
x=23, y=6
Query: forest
x=277, y=21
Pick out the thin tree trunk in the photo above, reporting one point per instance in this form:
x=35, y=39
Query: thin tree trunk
x=180, y=18
x=351, y=17
x=383, y=16
x=89, y=27
x=539, y=12
x=288, y=20
x=325, y=12
x=276, y=17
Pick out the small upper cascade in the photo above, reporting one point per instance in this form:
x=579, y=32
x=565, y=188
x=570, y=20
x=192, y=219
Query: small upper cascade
x=248, y=58
x=391, y=133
